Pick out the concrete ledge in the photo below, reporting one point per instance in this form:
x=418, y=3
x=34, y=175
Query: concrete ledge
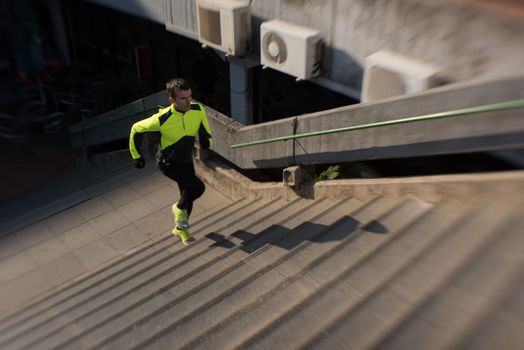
x=121, y=156
x=430, y=188
x=235, y=185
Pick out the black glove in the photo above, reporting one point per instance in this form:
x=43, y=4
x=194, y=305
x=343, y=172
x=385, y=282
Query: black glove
x=140, y=163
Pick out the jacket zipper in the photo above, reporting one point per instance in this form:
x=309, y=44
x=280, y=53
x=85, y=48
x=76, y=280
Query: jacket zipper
x=183, y=124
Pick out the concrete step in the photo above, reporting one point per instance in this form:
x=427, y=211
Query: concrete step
x=366, y=264
x=178, y=284
x=258, y=277
x=104, y=281
x=107, y=274
x=124, y=293
x=290, y=257
x=362, y=323
x=502, y=326
x=238, y=274
x=361, y=248
x=390, y=213
x=444, y=318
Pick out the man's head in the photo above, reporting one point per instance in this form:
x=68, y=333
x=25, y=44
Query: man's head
x=179, y=93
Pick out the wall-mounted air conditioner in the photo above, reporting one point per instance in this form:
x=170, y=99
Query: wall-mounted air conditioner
x=388, y=74
x=224, y=25
x=290, y=48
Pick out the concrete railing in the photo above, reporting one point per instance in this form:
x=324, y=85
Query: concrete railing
x=482, y=131
x=115, y=124
x=475, y=132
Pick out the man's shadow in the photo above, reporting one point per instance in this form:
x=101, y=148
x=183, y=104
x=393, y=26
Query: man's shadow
x=288, y=239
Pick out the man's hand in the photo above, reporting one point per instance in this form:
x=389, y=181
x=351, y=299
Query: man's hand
x=140, y=163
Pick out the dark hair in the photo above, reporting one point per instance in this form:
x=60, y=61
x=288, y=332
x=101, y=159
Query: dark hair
x=177, y=84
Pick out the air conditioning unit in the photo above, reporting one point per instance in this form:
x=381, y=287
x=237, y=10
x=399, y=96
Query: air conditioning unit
x=290, y=48
x=224, y=25
x=388, y=74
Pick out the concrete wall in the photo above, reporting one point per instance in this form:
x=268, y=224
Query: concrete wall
x=469, y=42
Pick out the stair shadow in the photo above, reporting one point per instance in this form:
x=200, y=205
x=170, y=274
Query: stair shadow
x=288, y=239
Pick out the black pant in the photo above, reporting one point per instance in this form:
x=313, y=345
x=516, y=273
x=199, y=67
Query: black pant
x=189, y=185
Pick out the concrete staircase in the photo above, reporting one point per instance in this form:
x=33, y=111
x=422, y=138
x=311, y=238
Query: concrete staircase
x=381, y=271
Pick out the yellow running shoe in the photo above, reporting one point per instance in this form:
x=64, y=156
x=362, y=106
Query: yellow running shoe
x=180, y=217
x=185, y=237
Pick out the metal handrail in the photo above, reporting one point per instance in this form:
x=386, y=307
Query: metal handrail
x=513, y=104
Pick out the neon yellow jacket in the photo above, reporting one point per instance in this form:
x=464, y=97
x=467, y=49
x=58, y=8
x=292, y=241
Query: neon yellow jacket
x=177, y=132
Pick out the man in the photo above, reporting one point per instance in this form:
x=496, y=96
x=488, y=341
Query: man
x=178, y=126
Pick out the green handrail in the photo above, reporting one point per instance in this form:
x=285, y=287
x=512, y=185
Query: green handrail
x=463, y=111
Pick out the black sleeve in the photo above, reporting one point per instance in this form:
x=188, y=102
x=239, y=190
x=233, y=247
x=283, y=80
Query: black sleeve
x=137, y=139
x=203, y=137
